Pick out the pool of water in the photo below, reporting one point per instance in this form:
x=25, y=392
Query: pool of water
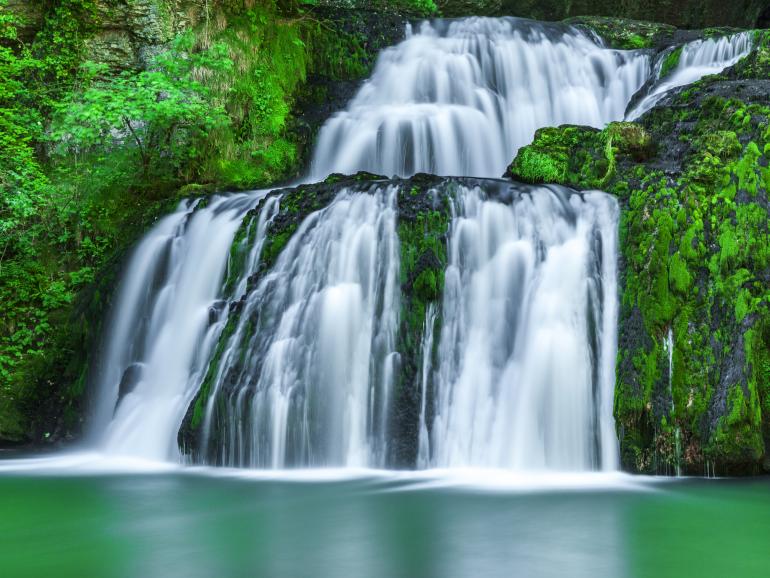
x=63, y=518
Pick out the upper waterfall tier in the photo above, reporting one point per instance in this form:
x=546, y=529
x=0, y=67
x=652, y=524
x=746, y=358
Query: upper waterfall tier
x=460, y=97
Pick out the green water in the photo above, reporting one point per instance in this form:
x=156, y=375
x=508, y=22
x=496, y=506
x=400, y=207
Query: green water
x=179, y=524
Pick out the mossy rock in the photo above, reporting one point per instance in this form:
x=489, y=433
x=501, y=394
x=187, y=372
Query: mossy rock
x=693, y=180
x=577, y=156
x=624, y=34
x=670, y=62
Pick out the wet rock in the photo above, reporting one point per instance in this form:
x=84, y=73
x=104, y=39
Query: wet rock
x=132, y=376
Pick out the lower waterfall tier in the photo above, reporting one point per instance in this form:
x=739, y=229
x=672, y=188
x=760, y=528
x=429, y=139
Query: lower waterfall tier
x=372, y=323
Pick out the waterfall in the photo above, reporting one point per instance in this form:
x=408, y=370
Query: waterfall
x=460, y=97
x=306, y=377
x=697, y=59
x=164, y=327
x=293, y=361
x=423, y=440
x=668, y=346
x=527, y=347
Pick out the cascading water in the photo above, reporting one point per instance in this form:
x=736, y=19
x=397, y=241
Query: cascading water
x=460, y=97
x=306, y=377
x=696, y=60
x=298, y=365
x=164, y=328
x=423, y=440
x=668, y=345
x=525, y=374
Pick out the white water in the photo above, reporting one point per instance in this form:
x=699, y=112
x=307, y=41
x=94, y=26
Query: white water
x=306, y=378
x=527, y=348
x=423, y=440
x=164, y=328
x=668, y=345
x=460, y=98
x=698, y=59
x=525, y=372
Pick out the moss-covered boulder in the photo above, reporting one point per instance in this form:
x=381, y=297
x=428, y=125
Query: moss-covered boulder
x=582, y=156
x=693, y=376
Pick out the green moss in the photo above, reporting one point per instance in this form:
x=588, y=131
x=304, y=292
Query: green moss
x=338, y=54
x=738, y=437
x=417, y=8
x=579, y=156
x=670, y=62
x=275, y=242
x=534, y=166
x=680, y=277
x=757, y=343
x=623, y=33
x=422, y=239
x=199, y=404
x=239, y=251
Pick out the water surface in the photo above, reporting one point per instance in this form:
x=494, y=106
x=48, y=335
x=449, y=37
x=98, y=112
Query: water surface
x=176, y=522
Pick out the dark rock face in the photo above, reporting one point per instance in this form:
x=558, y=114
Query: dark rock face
x=681, y=13
x=454, y=8
x=131, y=377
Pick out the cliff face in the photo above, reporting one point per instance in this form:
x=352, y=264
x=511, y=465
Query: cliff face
x=131, y=31
x=127, y=32
x=680, y=13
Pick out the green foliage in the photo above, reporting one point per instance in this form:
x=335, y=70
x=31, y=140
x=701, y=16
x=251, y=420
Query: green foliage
x=270, y=58
x=411, y=7
x=90, y=156
x=22, y=181
x=160, y=114
x=423, y=7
